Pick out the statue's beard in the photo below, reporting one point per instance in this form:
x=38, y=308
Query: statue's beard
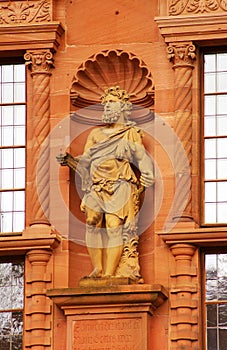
x=110, y=117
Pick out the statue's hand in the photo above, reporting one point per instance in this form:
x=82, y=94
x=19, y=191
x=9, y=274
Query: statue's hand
x=62, y=158
x=147, y=178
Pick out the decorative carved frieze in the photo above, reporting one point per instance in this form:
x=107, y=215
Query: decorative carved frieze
x=24, y=12
x=179, y=7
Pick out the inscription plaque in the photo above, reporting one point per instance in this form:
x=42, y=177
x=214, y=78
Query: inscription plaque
x=108, y=334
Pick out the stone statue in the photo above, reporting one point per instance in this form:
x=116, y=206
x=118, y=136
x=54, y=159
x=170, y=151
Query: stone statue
x=112, y=188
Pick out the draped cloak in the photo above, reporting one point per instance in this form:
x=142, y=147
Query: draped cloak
x=114, y=185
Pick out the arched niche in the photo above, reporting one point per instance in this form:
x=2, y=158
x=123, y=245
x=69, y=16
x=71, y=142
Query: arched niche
x=111, y=68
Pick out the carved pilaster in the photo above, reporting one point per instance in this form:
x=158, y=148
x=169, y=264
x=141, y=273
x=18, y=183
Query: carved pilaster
x=184, y=299
x=182, y=56
x=40, y=63
x=37, y=304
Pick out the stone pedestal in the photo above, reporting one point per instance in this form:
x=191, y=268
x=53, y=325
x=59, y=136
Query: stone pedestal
x=109, y=318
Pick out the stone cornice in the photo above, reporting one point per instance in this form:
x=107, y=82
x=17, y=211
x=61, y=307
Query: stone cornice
x=145, y=296
x=14, y=245
x=31, y=36
x=202, y=237
x=196, y=28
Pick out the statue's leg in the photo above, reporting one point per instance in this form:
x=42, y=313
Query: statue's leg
x=113, y=244
x=94, y=240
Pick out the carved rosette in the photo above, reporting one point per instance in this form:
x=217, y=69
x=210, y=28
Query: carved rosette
x=179, y=7
x=184, y=299
x=182, y=56
x=37, y=304
x=40, y=63
x=25, y=12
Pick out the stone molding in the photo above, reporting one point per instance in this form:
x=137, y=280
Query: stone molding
x=204, y=29
x=201, y=237
x=31, y=36
x=21, y=12
x=148, y=296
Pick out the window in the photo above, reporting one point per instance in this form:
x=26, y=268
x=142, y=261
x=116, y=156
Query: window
x=216, y=301
x=12, y=147
x=215, y=138
x=11, y=304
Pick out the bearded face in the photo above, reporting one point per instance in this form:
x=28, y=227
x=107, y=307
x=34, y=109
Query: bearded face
x=112, y=112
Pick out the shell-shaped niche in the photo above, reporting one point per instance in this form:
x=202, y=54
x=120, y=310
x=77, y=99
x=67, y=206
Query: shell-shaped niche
x=112, y=68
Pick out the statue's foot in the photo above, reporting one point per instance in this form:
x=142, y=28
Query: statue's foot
x=96, y=273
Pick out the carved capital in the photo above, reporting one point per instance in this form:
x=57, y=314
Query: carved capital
x=183, y=251
x=181, y=54
x=39, y=61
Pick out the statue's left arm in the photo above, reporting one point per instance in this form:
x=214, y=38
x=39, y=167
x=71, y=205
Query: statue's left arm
x=144, y=163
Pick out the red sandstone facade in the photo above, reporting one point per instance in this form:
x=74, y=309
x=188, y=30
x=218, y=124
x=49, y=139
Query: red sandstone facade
x=68, y=47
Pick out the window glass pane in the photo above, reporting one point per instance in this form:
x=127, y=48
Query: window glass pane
x=210, y=126
x=222, y=62
x=222, y=168
x=7, y=158
x=19, y=115
x=212, y=339
x=6, y=178
x=7, y=222
x=6, y=201
x=222, y=148
x=210, y=213
x=19, y=198
x=210, y=148
x=7, y=92
x=222, y=191
x=19, y=72
x=222, y=339
x=210, y=63
x=210, y=82
x=19, y=178
x=211, y=315
x=222, y=82
x=7, y=135
x=210, y=105
x=210, y=192
x=19, y=135
x=222, y=104
x=222, y=212
x=19, y=158
x=7, y=73
x=221, y=125
x=7, y=115
x=18, y=221
x=19, y=92
x=210, y=169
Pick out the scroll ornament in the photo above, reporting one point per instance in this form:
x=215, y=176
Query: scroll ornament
x=179, y=7
x=24, y=12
